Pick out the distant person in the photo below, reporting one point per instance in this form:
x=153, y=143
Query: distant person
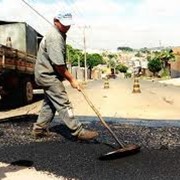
x=50, y=71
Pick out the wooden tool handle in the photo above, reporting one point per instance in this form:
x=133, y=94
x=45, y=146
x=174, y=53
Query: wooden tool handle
x=100, y=117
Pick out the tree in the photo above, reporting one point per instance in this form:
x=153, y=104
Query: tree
x=155, y=65
x=74, y=55
x=125, y=49
x=166, y=56
x=145, y=50
x=94, y=60
x=111, y=59
x=122, y=68
x=138, y=54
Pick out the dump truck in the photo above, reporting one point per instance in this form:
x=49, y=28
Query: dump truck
x=18, y=49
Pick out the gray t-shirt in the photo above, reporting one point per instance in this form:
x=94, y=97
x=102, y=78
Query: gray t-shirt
x=52, y=51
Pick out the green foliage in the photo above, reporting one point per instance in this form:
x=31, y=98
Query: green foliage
x=75, y=56
x=145, y=50
x=125, y=49
x=149, y=58
x=167, y=54
x=122, y=68
x=112, y=63
x=94, y=60
x=138, y=54
x=165, y=73
x=110, y=59
x=112, y=56
x=128, y=75
x=155, y=65
x=164, y=57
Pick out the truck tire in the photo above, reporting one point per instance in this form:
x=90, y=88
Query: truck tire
x=27, y=91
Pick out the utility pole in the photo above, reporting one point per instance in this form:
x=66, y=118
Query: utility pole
x=78, y=61
x=85, y=58
x=78, y=70
x=85, y=54
x=68, y=61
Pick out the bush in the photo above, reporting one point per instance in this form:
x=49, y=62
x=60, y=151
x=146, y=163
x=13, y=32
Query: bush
x=155, y=66
x=165, y=73
x=122, y=68
x=128, y=75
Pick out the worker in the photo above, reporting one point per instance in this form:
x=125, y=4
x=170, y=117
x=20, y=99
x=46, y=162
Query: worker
x=50, y=72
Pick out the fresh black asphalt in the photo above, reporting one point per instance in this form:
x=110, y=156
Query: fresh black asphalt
x=62, y=155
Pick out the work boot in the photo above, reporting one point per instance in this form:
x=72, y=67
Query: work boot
x=43, y=133
x=87, y=135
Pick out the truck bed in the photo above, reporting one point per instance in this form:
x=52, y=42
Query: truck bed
x=14, y=59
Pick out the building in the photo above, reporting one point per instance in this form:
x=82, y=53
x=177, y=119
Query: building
x=175, y=65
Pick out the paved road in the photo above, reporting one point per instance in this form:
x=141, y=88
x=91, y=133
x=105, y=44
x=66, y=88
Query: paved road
x=61, y=155
x=79, y=161
x=159, y=158
x=156, y=101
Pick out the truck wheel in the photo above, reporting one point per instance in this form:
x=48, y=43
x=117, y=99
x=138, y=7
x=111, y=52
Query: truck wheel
x=27, y=91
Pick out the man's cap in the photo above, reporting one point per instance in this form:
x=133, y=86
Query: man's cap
x=65, y=18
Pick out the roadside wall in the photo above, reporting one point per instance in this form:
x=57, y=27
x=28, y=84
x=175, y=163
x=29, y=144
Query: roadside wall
x=175, y=69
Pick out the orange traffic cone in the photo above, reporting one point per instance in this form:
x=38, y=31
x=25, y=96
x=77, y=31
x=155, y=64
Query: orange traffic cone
x=136, y=86
x=106, y=84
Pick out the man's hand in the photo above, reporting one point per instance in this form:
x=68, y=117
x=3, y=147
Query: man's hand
x=75, y=84
x=63, y=71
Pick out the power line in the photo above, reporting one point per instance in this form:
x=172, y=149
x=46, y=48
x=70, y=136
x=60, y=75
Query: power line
x=37, y=12
x=43, y=17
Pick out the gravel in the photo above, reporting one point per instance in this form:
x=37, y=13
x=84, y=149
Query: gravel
x=17, y=131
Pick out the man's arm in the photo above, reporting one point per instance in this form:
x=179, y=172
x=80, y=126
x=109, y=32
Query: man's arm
x=63, y=71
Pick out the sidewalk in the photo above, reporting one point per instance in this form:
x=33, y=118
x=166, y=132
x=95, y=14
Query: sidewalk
x=173, y=81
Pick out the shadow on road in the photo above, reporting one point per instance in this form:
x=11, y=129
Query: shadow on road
x=12, y=103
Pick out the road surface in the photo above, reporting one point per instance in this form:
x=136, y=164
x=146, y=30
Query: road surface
x=66, y=158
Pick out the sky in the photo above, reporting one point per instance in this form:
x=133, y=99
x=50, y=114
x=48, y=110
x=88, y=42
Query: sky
x=105, y=24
